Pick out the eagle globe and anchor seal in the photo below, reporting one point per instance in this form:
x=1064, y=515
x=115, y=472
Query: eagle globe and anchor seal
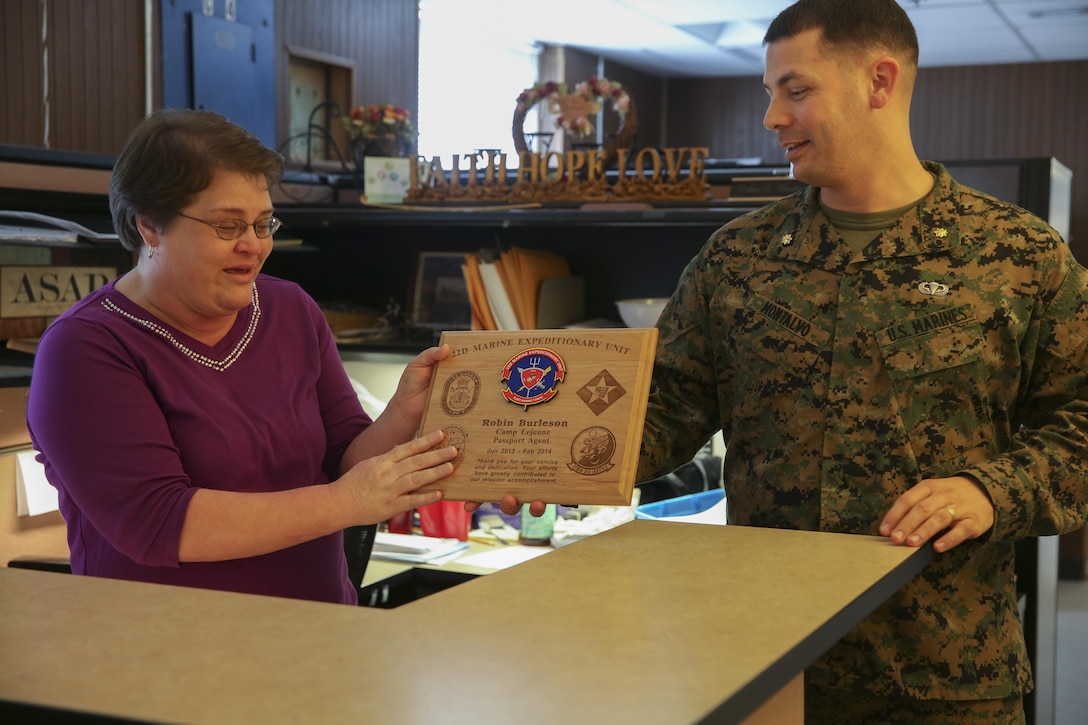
x=531, y=376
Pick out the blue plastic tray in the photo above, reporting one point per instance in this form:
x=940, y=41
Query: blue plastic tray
x=693, y=503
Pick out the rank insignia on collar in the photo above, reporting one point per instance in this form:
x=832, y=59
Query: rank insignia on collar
x=531, y=376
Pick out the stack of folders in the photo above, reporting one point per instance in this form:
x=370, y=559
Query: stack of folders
x=522, y=289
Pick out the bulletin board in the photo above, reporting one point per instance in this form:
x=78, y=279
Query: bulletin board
x=217, y=55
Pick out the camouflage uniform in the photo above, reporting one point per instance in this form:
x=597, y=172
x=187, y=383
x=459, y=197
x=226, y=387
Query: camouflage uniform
x=840, y=380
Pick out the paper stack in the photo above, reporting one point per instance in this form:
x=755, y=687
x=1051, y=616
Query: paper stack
x=414, y=549
x=30, y=227
x=505, y=289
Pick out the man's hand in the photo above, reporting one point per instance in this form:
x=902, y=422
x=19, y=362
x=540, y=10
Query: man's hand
x=958, y=504
x=510, y=506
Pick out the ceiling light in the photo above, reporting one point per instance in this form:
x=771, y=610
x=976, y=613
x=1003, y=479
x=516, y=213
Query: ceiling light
x=1058, y=12
x=741, y=33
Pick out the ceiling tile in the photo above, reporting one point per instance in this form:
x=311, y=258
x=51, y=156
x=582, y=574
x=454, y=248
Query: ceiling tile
x=678, y=37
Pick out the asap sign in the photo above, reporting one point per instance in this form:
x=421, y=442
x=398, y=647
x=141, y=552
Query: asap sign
x=47, y=291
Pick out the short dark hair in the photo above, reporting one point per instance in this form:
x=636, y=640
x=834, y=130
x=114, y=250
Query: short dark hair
x=171, y=156
x=859, y=24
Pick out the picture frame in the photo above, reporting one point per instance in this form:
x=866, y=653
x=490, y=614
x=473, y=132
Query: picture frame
x=440, y=297
x=386, y=179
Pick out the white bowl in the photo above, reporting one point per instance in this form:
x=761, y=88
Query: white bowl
x=642, y=312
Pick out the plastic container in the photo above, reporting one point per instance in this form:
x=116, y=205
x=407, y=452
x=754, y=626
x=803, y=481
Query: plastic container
x=641, y=312
x=703, y=507
x=537, y=530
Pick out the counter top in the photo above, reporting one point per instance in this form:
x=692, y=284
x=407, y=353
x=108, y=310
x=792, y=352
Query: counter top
x=651, y=622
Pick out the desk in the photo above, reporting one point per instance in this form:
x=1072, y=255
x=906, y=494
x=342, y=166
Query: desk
x=651, y=622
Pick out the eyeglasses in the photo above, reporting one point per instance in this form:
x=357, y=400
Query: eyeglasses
x=232, y=229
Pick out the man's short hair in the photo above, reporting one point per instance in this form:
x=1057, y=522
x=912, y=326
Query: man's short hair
x=864, y=25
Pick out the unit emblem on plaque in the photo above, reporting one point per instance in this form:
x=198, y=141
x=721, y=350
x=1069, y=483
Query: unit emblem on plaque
x=592, y=451
x=531, y=376
x=601, y=392
x=460, y=393
x=458, y=438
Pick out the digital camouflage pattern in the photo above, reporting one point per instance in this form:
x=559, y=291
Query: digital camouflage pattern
x=952, y=343
x=827, y=707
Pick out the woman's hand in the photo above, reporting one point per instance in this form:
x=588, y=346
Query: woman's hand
x=378, y=488
x=401, y=419
x=222, y=525
x=410, y=399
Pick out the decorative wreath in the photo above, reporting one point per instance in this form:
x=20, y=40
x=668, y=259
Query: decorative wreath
x=573, y=111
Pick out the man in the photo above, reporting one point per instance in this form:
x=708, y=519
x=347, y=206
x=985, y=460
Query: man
x=886, y=352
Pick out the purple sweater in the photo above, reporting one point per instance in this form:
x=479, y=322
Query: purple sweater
x=131, y=416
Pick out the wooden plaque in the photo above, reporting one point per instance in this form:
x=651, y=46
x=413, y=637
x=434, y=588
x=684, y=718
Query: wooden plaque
x=554, y=415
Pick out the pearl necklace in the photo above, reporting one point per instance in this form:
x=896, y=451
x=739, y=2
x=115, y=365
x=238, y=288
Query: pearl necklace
x=217, y=365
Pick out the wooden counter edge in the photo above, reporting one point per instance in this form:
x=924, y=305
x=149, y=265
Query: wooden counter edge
x=766, y=686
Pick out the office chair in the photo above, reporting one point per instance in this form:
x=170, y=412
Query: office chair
x=62, y=566
x=358, y=543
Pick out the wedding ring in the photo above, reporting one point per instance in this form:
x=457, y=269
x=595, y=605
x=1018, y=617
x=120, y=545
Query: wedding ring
x=951, y=511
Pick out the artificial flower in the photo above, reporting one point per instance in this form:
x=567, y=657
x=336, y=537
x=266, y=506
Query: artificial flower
x=366, y=124
x=573, y=110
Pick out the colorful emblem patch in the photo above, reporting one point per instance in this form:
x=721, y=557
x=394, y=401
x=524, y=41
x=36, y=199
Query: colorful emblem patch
x=531, y=376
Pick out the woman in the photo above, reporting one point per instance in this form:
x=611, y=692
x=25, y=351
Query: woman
x=194, y=414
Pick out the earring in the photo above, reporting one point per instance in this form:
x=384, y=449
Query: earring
x=150, y=251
